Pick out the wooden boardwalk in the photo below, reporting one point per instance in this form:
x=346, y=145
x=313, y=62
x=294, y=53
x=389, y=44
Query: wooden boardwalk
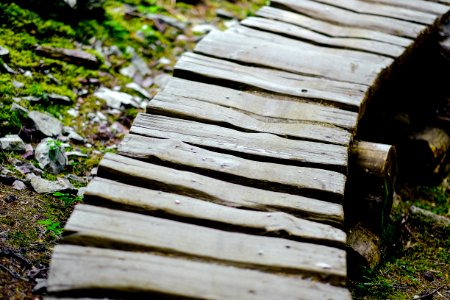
x=231, y=186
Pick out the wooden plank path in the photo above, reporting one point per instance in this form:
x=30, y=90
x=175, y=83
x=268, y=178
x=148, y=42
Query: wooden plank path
x=231, y=186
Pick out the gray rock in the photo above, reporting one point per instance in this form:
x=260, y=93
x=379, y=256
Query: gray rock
x=8, y=69
x=74, y=56
x=18, y=84
x=43, y=186
x=162, y=80
x=51, y=156
x=136, y=87
x=129, y=71
x=3, y=52
x=19, y=185
x=203, y=28
x=60, y=99
x=21, y=110
x=12, y=143
x=167, y=20
x=26, y=168
x=45, y=123
x=72, y=134
x=116, y=99
x=141, y=65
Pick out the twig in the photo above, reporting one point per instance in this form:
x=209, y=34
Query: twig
x=13, y=273
x=430, y=294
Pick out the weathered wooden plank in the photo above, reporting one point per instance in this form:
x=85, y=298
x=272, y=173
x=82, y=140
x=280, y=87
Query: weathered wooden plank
x=301, y=33
x=91, y=225
x=278, y=177
x=380, y=9
x=418, y=5
x=330, y=29
x=192, y=185
x=86, y=268
x=262, y=145
x=189, y=107
x=269, y=219
x=446, y=2
x=264, y=107
x=344, y=17
x=222, y=72
x=270, y=50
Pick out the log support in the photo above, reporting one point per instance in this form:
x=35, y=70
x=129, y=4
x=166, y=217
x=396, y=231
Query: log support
x=368, y=203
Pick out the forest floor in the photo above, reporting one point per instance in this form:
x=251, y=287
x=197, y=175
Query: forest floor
x=127, y=52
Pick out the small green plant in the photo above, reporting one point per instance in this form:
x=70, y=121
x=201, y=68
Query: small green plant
x=52, y=226
x=67, y=198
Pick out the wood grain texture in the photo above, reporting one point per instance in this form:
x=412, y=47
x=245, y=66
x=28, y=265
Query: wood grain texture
x=85, y=268
x=345, y=17
x=91, y=225
x=380, y=9
x=297, y=32
x=188, y=107
x=266, y=214
x=259, y=48
x=193, y=185
x=332, y=30
x=259, y=145
x=222, y=72
x=418, y=5
x=263, y=107
x=278, y=177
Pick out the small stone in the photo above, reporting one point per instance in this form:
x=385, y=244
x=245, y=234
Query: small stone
x=21, y=110
x=203, y=28
x=72, y=134
x=28, y=74
x=60, y=99
x=136, y=87
x=129, y=71
x=177, y=201
x=7, y=68
x=164, y=61
x=73, y=112
x=147, y=82
x=18, y=84
x=140, y=65
x=51, y=155
x=43, y=186
x=45, y=123
x=224, y=14
x=162, y=80
x=12, y=143
x=19, y=185
x=3, y=52
x=74, y=56
x=116, y=99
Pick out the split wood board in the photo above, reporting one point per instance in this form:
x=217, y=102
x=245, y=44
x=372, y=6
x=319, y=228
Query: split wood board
x=268, y=108
x=259, y=48
x=86, y=268
x=417, y=5
x=333, y=30
x=298, y=32
x=258, y=145
x=264, y=211
x=345, y=17
x=222, y=72
x=103, y=227
x=279, y=177
x=189, y=107
x=192, y=184
x=380, y=9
